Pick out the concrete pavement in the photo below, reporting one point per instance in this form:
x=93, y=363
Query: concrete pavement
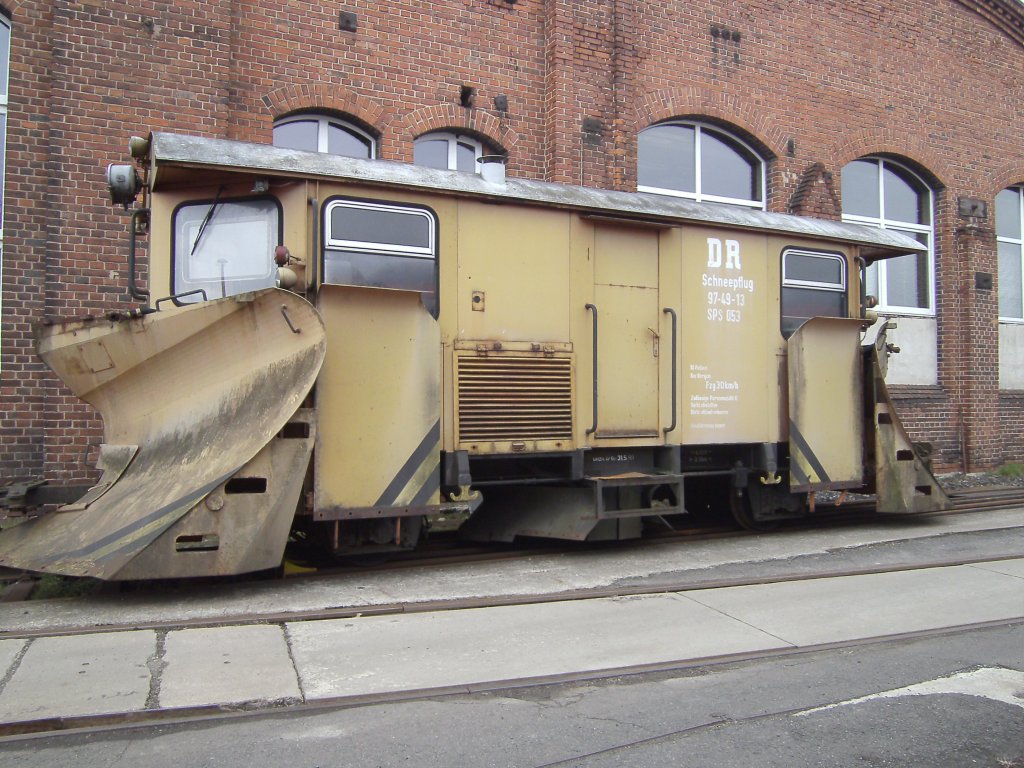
x=184, y=670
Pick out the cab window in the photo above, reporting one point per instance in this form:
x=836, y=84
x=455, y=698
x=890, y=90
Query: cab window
x=381, y=245
x=813, y=285
x=225, y=247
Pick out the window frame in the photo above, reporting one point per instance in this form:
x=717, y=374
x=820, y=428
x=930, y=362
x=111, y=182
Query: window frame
x=323, y=125
x=453, y=139
x=842, y=288
x=174, y=272
x=382, y=248
x=699, y=195
x=908, y=228
x=5, y=63
x=1019, y=242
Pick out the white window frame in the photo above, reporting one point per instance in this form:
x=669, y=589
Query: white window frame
x=1015, y=241
x=790, y=282
x=700, y=196
x=6, y=65
x=424, y=252
x=454, y=139
x=183, y=247
x=323, y=122
x=908, y=228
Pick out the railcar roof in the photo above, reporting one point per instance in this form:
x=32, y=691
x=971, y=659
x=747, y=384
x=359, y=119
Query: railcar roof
x=169, y=149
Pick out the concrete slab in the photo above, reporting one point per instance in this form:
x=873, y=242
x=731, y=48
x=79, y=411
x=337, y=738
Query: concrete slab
x=1008, y=567
x=83, y=675
x=9, y=650
x=840, y=609
x=227, y=665
x=374, y=654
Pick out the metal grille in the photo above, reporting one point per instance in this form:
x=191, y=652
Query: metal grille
x=507, y=397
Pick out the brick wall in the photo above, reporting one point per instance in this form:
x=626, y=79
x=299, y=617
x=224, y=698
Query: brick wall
x=812, y=85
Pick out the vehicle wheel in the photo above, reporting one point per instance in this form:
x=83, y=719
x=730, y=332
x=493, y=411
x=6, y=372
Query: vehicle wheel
x=746, y=509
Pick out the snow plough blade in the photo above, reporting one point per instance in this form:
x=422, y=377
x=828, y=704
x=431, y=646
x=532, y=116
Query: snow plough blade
x=188, y=397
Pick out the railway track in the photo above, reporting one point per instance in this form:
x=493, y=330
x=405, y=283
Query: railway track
x=795, y=565
x=692, y=580
x=446, y=549
x=625, y=576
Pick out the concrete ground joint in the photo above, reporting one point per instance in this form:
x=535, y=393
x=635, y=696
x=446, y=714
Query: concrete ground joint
x=726, y=614
x=291, y=659
x=15, y=664
x=156, y=665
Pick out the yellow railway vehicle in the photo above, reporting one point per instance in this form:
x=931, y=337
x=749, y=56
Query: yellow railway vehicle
x=350, y=347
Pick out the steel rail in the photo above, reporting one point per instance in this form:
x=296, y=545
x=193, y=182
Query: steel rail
x=494, y=601
x=128, y=721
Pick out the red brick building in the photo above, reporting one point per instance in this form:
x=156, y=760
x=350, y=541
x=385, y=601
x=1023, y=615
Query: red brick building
x=822, y=98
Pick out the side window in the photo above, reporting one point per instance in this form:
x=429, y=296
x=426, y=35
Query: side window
x=381, y=245
x=1010, y=244
x=319, y=133
x=447, y=151
x=813, y=285
x=225, y=247
x=5, y=51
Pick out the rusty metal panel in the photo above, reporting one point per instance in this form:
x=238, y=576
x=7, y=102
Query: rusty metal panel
x=379, y=400
x=826, y=423
x=240, y=527
x=200, y=389
x=904, y=483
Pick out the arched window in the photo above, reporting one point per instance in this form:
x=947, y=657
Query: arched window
x=321, y=133
x=5, y=53
x=1010, y=242
x=701, y=162
x=448, y=151
x=882, y=193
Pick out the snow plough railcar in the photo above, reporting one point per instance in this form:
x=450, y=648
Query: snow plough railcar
x=340, y=351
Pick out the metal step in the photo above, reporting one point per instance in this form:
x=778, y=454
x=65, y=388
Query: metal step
x=636, y=480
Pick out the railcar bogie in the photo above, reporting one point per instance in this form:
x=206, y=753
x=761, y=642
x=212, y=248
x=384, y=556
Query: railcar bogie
x=542, y=360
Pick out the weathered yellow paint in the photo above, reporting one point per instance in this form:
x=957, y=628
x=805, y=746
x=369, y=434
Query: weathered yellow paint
x=825, y=441
x=670, y=293
x=200, y=390
x=728, y=350
x=518, y=258
x=904, y=483
x=629, y=332
x=378, y=398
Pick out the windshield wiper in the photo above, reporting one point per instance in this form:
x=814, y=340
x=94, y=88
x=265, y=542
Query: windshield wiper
x=206, y=221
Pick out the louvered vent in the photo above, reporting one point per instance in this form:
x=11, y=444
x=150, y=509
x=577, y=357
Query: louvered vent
x=508, y=397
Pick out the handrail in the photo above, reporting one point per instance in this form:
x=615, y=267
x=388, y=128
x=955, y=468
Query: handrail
x=316, y=257
x=593, y=428
x=137, y=293
x=175, y=299
x=675, y=373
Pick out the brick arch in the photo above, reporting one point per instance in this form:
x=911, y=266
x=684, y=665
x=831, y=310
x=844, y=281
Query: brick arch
x=1010, y=175
x=911, y=149
x=715, y=107
x=319, y=96
x=450, y=117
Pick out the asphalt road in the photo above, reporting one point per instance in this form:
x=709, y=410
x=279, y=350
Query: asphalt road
x=945, y=701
